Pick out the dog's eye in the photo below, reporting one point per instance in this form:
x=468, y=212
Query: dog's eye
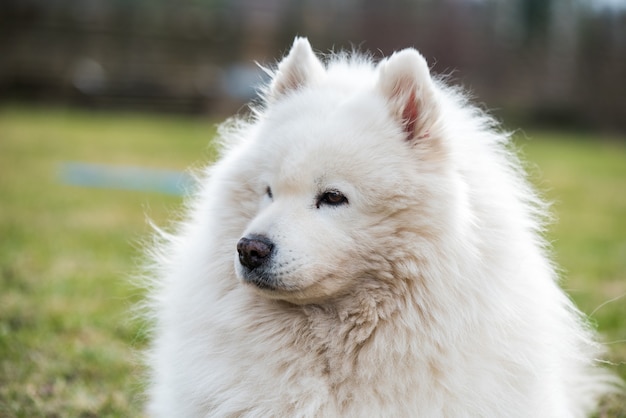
x=331, y=198
x=268, y=192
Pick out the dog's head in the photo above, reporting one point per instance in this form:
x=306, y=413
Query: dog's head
x=340, y=165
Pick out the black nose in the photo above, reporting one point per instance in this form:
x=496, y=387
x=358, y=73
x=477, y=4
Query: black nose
x=254, y=250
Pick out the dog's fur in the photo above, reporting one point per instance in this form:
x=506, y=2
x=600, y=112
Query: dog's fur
x=393, y=262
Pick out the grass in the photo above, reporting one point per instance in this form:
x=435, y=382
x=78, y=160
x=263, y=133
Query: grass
x=67, y=344
x=66, y=252
x=585, y=178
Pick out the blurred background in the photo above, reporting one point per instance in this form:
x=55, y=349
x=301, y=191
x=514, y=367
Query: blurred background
x=549, y=62
x=105, y=104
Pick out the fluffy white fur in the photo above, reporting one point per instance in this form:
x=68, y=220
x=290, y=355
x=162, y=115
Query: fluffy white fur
x=427, y=292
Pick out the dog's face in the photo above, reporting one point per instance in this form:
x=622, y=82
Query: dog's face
x=321, y=197
x=333, y=174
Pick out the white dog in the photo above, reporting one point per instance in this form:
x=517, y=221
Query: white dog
x=367, y=246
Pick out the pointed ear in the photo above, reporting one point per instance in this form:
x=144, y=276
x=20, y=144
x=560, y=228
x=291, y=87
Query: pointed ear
x=299, y=68
x=404, y=80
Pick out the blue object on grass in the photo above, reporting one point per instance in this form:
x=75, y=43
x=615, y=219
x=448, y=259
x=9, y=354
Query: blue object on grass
x=127, y=178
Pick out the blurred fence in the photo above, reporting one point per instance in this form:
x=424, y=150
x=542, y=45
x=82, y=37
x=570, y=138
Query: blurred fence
x=543, y=61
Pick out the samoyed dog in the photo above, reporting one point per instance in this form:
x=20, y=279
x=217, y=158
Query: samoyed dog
x=366, y=246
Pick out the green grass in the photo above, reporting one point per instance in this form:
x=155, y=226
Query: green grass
x=585, y=179
x=67, y=342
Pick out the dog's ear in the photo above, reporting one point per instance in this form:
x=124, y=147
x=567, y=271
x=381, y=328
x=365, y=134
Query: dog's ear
x=405, y=81
x=299, y=68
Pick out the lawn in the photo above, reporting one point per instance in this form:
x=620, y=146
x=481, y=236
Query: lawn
x=68, y=343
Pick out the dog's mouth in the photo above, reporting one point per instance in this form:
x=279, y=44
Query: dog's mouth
x=271, y=286
x=262, y=280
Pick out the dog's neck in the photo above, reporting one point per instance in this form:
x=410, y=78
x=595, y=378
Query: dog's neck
x=351, y=335
x=349, y=323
